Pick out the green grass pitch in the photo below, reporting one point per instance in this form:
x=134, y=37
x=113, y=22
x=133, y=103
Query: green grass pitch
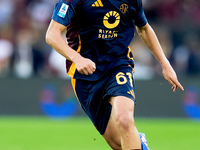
x=40, y=133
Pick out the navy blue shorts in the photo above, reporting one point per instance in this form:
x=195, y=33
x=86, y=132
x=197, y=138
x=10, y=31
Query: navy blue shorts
x=94, y=95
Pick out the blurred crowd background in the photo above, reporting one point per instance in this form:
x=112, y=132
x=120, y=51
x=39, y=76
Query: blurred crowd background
x=25, y=54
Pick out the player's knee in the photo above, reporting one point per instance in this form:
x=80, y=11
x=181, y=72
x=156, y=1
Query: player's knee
x=125, y=121
x=113, y=144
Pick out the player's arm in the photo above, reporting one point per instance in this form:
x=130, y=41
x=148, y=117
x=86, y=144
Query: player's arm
x=55, y=40
x=150, y=39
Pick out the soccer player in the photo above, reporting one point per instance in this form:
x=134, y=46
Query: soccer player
x=100, y=62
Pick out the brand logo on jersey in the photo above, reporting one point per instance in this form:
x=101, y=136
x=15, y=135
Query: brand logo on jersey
x=107, y=34
x=124, y=8
x=111, y=20
x=98, y=3
x=131, y=93
x=63, y=10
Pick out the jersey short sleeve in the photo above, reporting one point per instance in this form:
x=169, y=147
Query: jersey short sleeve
x=141, y=19
x=64, y=11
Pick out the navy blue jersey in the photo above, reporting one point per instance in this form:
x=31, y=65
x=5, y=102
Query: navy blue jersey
x=100, y=30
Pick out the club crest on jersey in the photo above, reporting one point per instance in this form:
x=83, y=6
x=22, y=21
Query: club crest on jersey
x=63, y=10
x=124, y=8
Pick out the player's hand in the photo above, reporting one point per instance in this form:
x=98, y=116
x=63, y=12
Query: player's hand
x=170, y=75
x=84, y=65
